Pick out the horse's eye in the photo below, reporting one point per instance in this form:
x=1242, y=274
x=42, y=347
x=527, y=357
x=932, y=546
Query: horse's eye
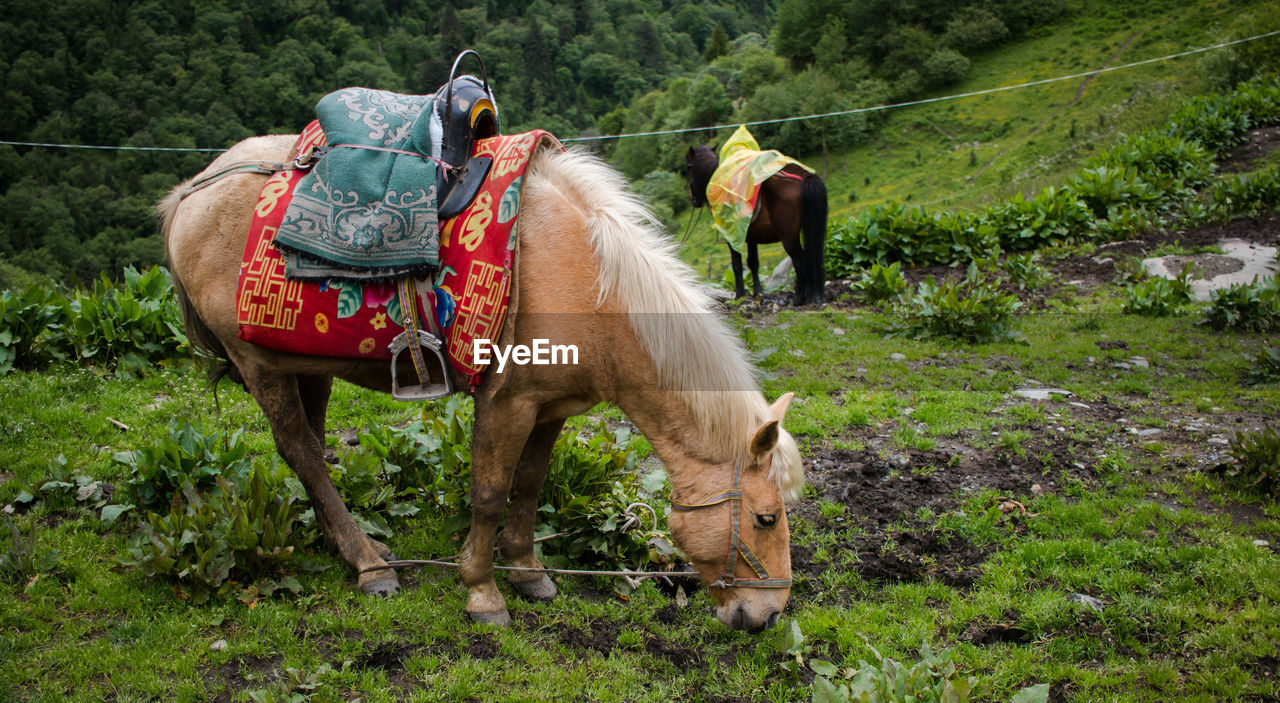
x=766, y=520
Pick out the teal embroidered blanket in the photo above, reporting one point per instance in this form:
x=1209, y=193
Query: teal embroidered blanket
x=367, y=210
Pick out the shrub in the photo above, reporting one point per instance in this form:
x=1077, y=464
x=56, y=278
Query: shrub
x=248, y=532
x=970, y=309
x=184, y=455
x=130, y=325
x=1266, y=367
x=1257, y=461
x=1026, y=271
x=944, y=67
x=1247, y=195
x=22, y=560
x=590, y=484
x=1248, y=308
x=1054, y=214
x=881, y=282
x=32, y=328
x=1172, y=165
x=1158, y=297
x=1103, y=188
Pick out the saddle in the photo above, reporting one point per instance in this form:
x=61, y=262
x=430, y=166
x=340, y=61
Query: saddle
x=370, y=207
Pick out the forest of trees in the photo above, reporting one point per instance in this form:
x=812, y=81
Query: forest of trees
x=206, y=73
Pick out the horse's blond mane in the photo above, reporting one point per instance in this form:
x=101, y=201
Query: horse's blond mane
x=696, y=354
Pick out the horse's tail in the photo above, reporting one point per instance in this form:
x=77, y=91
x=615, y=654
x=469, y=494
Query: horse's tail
x=199, y=334
x=813, y=223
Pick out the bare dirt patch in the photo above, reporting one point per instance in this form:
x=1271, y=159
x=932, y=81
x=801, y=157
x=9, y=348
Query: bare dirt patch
x=1257, y=145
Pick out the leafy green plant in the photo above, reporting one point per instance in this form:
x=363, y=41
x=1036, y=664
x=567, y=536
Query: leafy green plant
x=935, y=678
x=1157, y=296
x=184, y=455
x=1054, y=214
x=130, y=325
x=1265, y=370
x=76, y=488
x=248, y=532
x=1105, y=189
x=32, y=328
x=1026, y=271
x=1246, y=194
x=881, y=282
x=969, y=309
x=1167, y=162
x=1245, y=307
x=591, y=483
x=22, y=560
x=1257, y=461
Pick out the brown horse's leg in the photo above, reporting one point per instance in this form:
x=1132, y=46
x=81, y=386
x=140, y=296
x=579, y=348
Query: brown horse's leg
x=753, y=264
x=314, y=389
x=501, y=430
x=522, y=513
x=297, y=442
x=796, y=251
x=738, y=289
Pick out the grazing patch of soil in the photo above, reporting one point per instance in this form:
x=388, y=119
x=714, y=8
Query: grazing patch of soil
x=1007, y=631
x=601, y=636
x=388, y=656
x=240, y=674
x=482, y=646
x=682, y=657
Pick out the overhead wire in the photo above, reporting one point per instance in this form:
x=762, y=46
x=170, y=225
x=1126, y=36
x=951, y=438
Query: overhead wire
x=780, y=120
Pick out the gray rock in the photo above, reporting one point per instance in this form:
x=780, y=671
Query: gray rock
x=1042, y=393
x=1088, y=601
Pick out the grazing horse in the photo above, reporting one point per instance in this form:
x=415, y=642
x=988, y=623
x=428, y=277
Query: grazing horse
x=591, y=271
x=792, y=204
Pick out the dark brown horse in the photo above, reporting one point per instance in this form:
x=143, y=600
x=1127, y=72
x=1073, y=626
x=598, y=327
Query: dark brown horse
x=590, y=273
x=792, y=209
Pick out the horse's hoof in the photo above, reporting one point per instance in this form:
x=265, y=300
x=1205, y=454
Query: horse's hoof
x=543, y=589
x=496, y=617
x=383, y=586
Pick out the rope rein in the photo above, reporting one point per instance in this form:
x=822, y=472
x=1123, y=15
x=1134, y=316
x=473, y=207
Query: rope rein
x=737, y=548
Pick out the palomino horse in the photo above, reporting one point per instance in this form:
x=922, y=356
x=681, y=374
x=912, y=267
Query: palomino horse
x=790, y=207
x=593, y=272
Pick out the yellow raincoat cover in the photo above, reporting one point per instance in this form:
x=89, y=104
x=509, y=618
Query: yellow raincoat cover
x=735, y=186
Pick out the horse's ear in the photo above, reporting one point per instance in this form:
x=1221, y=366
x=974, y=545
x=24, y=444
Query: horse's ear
x=764, y=440
x=779, y=407
x=691, y=151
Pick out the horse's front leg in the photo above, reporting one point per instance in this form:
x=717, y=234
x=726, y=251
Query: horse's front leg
x=297, y=441
x=522, y=513
x=753, y=263
x=501, y=429
x=738, y=289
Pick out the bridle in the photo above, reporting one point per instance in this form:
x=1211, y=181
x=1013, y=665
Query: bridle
x=733, y=497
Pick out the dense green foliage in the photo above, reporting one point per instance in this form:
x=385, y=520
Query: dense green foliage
x=204, y=75
x=1143, y=179
x=971, y=309
x=1257, y=460
x=129, y=325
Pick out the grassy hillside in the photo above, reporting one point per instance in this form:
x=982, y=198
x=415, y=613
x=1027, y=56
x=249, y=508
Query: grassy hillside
x=974, y=150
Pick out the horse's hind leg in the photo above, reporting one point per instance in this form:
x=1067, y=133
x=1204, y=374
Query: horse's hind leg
x=753, y=263
x=314, y=390
x=796, y=251
x=298, y=436
x=522, y=513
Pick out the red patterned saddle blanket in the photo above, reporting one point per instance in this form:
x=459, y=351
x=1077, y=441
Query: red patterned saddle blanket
x=466, y=301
